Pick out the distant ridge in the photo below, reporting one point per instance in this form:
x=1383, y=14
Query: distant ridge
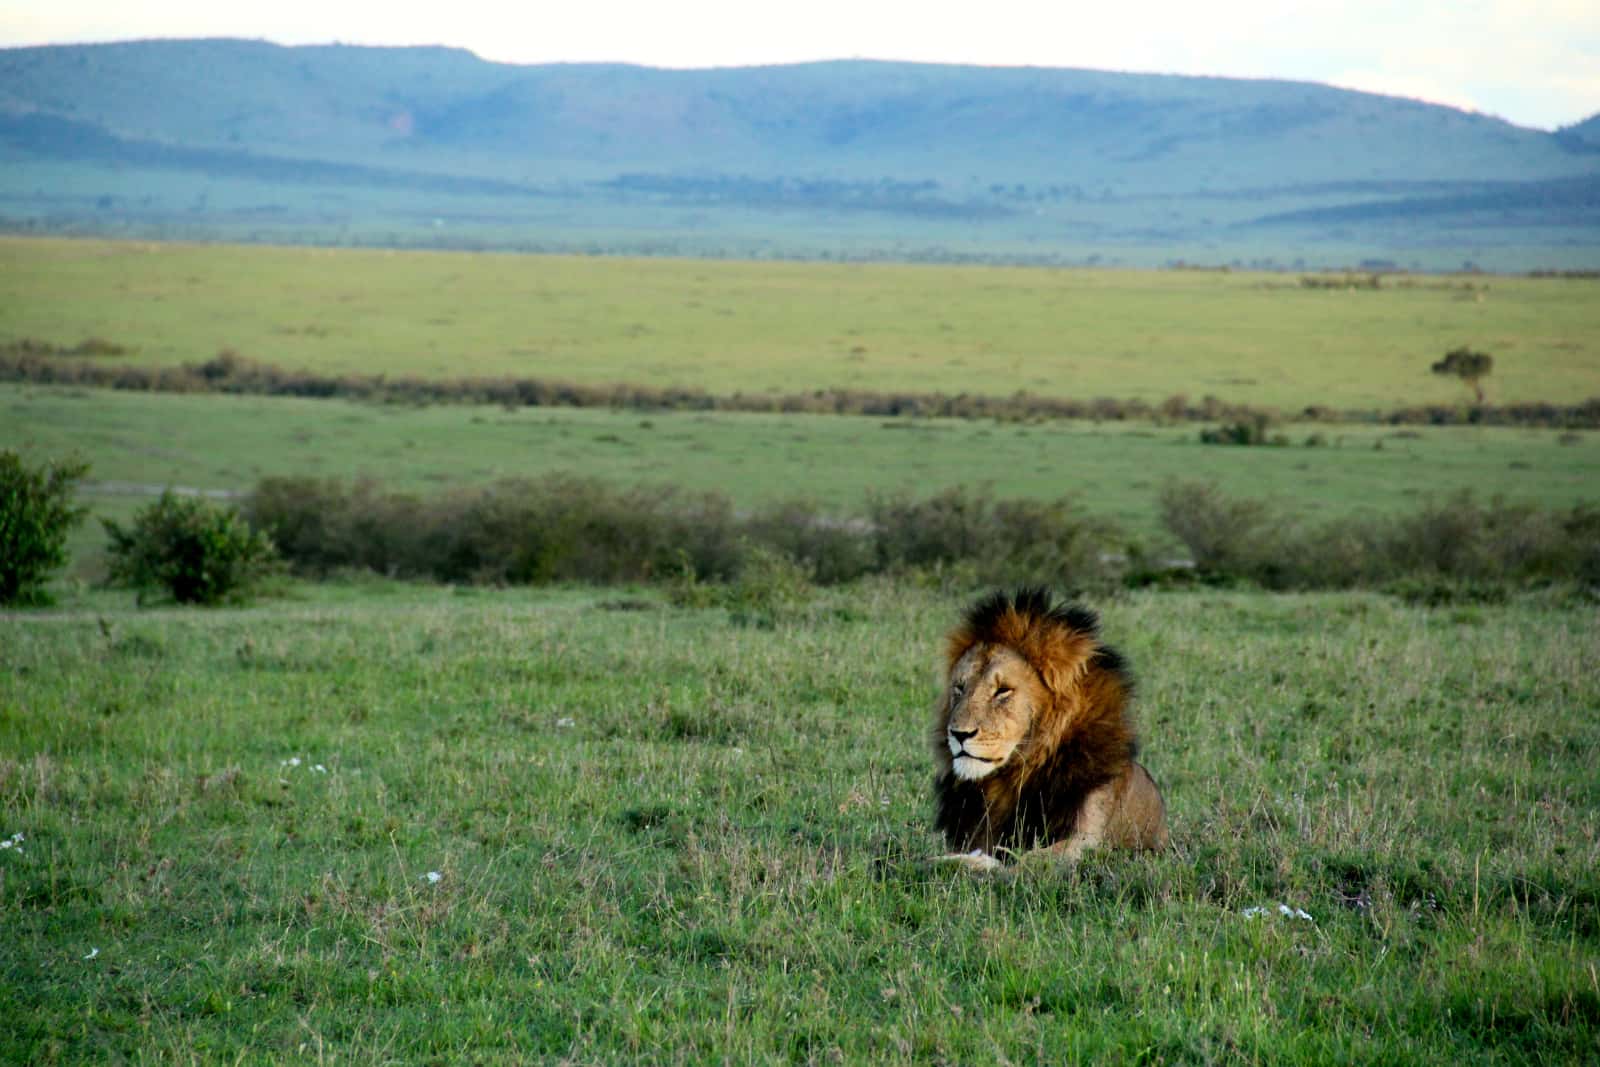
x=1006, y=162
x=1581, y=136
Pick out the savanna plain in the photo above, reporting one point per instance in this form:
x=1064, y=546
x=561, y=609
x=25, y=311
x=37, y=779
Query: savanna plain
x=371, y=820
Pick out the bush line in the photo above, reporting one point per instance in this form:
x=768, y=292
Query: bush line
x=565, y=528
x=1446, y=549
x=41, y=363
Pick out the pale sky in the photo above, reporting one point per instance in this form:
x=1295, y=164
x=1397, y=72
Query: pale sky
x=1534, y=62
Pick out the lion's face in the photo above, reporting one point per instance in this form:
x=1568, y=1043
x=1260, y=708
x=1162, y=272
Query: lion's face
x=992, y=699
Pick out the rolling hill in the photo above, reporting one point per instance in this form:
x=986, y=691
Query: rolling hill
x=420, y=146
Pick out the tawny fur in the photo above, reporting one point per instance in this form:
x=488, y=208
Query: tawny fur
x=1055, y=718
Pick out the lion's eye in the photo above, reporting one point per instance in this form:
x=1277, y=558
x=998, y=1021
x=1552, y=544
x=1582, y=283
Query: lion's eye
x=1002, y=692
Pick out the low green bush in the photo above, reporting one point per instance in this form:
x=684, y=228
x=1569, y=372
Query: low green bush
x=190, y=549
x=518, y=531
x=1453, y=542
x=770, y=589
x=1225, y=536
x=1005, y=540
x=1254, y=429
x=568, y=529
x=563, y=528
x=36, y=514
x=830, y=548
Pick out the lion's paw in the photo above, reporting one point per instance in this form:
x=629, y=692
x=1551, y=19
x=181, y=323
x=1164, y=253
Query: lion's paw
x=976, y=860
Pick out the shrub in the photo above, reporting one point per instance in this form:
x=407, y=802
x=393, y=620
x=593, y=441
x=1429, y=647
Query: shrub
x=194, y=551
x=1046, y=540
x=935, y=530
x=829, y=548
x=640, y=533
x=770, y=589
x=1459, y=538
x=684, y=588
x=1253, y=430
x=1004, y=541
x=562, y=528
x=1582, y=528
x=559, y=528
x=1226, y=537
x=1455, y=543
x=36, y=514
x=99, y=346
x=304, y=518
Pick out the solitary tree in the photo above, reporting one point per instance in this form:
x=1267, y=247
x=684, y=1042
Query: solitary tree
x=1471, y=367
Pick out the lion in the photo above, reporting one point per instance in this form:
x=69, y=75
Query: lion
x=1032, y=741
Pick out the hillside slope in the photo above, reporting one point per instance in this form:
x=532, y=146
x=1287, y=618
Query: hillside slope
x=1051, y=158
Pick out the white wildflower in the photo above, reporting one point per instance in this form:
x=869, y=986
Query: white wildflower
x=320, y=769
x=13, y=842
x=292, y=761
x=566, y=721
x=93, y=952
x=433, y=877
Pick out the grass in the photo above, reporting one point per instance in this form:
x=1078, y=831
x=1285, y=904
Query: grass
x=665, y=834
x=1259, y=339
x=1116, y=470
x=663, y=837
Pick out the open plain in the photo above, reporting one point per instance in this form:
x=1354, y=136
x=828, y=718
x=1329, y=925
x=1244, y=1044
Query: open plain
x=368, y=820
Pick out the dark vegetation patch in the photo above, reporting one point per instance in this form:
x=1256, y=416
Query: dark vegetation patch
x=1253, y=430
x=228, y=372
x=1370, y=281
x=1449, y=550
x=190, y=550
x=89, y=346
x=565, y=528
x=760, y=565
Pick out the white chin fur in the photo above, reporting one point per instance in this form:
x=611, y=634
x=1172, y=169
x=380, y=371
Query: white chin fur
x=970, y=769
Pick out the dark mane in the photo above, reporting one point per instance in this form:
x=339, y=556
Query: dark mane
x=1034, y=603
x=1111, y=661
x=1080, y=740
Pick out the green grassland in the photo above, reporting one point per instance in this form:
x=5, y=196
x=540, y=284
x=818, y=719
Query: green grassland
x=665, y=834
x=728, y=327
x=660, y=837
x=140, y=442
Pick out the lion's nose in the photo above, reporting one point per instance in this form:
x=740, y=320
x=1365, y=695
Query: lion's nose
x=960, y=736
